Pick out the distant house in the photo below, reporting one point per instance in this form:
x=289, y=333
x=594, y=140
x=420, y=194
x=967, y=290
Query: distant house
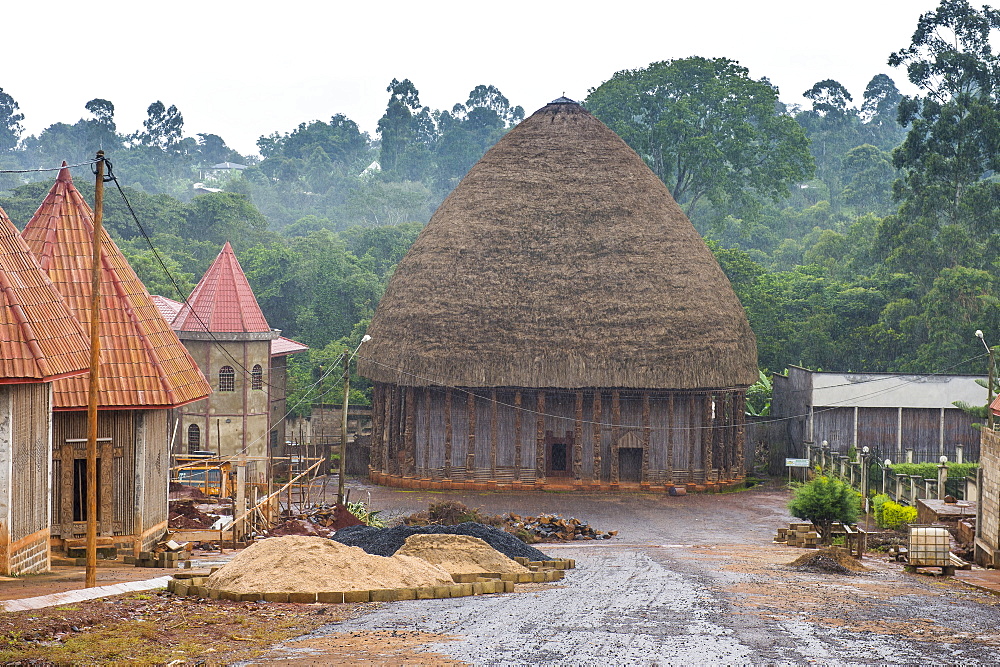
x=889, y=413
x=40, y=342
x=222, y=171
x=144, y=372
x=244, y=358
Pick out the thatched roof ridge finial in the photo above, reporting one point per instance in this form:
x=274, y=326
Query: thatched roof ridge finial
x=560, y=260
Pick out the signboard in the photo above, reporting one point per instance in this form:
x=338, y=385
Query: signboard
x=797, y=463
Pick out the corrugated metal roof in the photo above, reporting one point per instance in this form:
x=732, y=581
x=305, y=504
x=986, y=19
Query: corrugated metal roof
x=281, y=346
x=40, y=340
x=143, y=364
x=222, y=302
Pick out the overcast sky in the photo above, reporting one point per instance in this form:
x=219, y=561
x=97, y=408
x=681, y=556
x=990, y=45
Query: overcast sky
x=241, y=71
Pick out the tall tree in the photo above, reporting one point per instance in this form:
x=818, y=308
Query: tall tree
x=708, y=130
x=164, y=126
x=953, y=144
x=397, y=127
x=10, y=122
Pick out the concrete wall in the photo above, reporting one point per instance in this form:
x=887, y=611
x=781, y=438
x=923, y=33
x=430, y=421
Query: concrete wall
x=988, y=521
x=230, y=421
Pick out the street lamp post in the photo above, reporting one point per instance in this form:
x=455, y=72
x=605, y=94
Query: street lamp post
x=343, y=419
x=989, y=381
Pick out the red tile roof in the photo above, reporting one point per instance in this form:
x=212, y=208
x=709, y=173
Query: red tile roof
x=222, y=302
x=40, y=340
x=167, y=307
x=282, y=346
x=143, y=364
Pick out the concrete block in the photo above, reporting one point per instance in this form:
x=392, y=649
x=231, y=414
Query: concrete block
x=214, y=593
x=330, y=597
x=302, y=598
x=425, y=593
x=384, y=595
x=251, y=597
x=524, y=577
x=477, y=588
x=442, y=591
x=231, y=596
x=357, y=596
x=508, y=586
x=406, y=593
x=538, y=577
x=276, y=597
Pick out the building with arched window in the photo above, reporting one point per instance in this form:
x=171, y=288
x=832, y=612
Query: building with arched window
x=226, y=332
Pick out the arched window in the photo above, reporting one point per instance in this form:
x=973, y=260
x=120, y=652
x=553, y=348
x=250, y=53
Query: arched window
x=257, y=377
x=227, y=379
x=194, y=438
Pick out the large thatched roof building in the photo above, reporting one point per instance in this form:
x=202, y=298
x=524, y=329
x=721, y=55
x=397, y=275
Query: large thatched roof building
x=559, y=320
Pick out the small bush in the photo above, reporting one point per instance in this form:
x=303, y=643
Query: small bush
x=895, y=515
x=823, y=501
x=878, y=504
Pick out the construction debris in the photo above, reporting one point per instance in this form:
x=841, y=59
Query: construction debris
x=530, y=529
x=554, y=527
x=799, y=535
x=169, y=554
x=319, y=521
x=184, y=514
x=833, y=560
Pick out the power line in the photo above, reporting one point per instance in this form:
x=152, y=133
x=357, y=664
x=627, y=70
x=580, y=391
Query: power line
x=42, y=169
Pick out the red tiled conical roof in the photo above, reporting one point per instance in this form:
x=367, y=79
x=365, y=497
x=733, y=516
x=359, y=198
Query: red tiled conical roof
x=40, y=340
x=222, y=302
x=143, y=364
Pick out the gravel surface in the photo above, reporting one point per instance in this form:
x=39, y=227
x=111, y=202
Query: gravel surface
x=689, y=580
x=386, y=541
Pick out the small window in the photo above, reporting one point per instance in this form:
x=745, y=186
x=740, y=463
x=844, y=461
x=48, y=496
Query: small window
x=194, y=438
x=227, y=379
x=257, y=377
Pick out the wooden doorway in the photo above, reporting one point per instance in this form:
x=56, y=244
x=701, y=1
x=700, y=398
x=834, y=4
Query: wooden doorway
x=558, y=454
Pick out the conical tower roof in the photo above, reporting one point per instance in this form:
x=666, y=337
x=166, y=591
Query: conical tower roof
x=560, y=260
x=143, y=364
x=40, y=340
x=222, y=301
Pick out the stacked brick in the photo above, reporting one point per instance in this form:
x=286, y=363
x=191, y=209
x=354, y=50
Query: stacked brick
x=802, y=535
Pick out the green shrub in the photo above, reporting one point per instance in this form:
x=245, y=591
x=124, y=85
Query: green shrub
x=894, y=515
x=877, y=504
x=823, y=501
x=930, y=470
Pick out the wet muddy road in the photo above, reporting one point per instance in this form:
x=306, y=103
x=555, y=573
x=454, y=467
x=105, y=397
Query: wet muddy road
x=688, y=580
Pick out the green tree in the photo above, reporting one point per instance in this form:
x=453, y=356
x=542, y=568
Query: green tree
x=10, y=122
x=953, y=144
x=397, y=127
x=825, y=501
x=164, y=126
x=708, y=130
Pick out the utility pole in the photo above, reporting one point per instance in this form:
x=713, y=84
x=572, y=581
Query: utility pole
x=989, y=381
x=95, y=359
x=343, y=428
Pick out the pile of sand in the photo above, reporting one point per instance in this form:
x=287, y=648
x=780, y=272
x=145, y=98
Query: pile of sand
x=303, y=564
x=459, y=554
x=833, y=561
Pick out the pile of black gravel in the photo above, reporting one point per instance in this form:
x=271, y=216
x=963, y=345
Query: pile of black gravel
x=386, y=541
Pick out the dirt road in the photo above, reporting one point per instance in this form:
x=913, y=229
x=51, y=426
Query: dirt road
x=689, y=580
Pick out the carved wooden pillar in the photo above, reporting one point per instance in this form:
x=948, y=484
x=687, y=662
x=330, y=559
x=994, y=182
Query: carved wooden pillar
x=708, y=436
x=517, y=435
x=493, y=434
x=428, y=410
x=616, y=420
x=740, y=409
x=378, y=401
x=447, y=433
x=598, y=471
x=693, y=438
x=671, y=422
x=540, y=437
x=392, y=424
x=470, y=453
x=646, y=429
x=409, y=434
x=578, y=438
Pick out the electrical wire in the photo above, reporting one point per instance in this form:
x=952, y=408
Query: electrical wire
x=42, y=169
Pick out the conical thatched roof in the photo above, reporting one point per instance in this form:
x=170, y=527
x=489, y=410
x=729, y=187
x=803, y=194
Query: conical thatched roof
x=560, y=260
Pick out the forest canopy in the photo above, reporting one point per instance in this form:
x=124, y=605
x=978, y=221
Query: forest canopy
x=860, y=228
